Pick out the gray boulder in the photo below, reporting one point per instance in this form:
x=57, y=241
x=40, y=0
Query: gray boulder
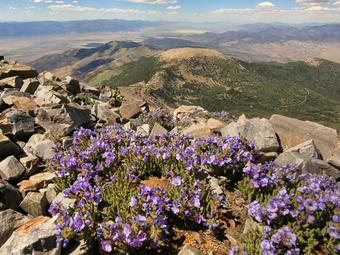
x=306, y=148
x=11, y=169
x=292, y=132
x=256, y=130
x=307, y=164
x=9, y=221
x=37, y=236
x=46, y=95
x=62, y=119
x=104, y=113
x=40, y=146
x=19, y=123
x=35, y=203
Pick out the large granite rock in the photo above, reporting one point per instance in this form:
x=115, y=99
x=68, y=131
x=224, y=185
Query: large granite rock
x=335, y=158
x=9, y=196
x=307, y=164
x=62, y=119
x=37, y=236
x=256, y=130
x=9, y=221
x=11, y=169
x=292, y=132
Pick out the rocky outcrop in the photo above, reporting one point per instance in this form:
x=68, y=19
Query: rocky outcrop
x=292, y=132
x=258, y=131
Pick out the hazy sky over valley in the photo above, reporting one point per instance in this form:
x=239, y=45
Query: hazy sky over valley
x=240, y=11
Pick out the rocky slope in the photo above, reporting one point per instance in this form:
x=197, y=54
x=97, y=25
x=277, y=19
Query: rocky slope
x=38, y=111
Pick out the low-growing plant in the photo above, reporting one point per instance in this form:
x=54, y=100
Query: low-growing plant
x=105, y=173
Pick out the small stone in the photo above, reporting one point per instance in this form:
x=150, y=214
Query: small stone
x=185, y=110
x=31, y=163
x=11, y=169
x=65, y=202
x=62, y=119
x=215, y=187
x=45, y=96
x=199, y=130
x=256, y=130
x=9, y=221
x=7, y=147
x=306, y=148
x=103, y=113
x=129, y=111
x=143, y=130
x=9, y=195
x=26, y=186
x=12, y=82
x=41, y=180
x=215, y=125
x=22, y=124
x=51, y=193
x=307, y=164
x=41, y=147
x=188, y=250
x=35, y=204
x=72, y=85
x=335, y=158
x=30, y=86
x=37, y=236
x=157, y=130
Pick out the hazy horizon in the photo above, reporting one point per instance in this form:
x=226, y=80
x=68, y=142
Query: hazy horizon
x=240, y=11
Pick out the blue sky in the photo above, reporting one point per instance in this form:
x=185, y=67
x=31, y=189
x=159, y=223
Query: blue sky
x=240, y=11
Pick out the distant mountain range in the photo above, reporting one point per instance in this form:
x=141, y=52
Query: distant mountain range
x=39, y=28
x=304, y=89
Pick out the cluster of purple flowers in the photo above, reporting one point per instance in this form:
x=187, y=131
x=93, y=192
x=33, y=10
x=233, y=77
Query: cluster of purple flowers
x=305, y=206
x=103, y=172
